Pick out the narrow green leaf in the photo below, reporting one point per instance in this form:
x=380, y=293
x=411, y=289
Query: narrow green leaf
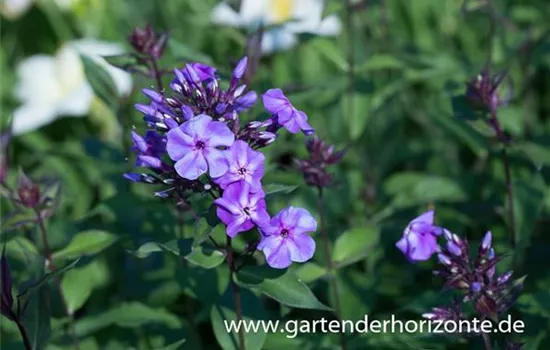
x=34, y=287
x=79, y=283
x=206, y=257
x=149, y=248
x=528, y=200
x=273, y=189
x=36, y=319
x=537, y=153
x=310, y=272
x=280, y=285
x=101, y=81
x=86, y=243
x=175, y=346
x=354, y=245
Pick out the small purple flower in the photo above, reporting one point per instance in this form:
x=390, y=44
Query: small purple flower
x=285, y=238
x=287, y=115
x=194, y=146
x=241, y=209
x=419, y=239
x=245, y=164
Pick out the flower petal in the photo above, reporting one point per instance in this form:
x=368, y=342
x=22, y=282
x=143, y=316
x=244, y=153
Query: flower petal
x=217, y=162
x=219, y=135
x=191, y=166
x=301, y=247
x=276, y=252
x=29, y=117
x=179, y=143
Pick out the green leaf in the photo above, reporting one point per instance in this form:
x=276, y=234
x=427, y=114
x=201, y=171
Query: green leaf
x=101, y=81
x=381, y=61
x=86, y=243
x=537, y=153
x=206, y=257
x=528, y=200
x=354, y=245
x=273, y=189
x=281, y=285
x=356, y=110
x=78, y=283
x=127, y=62
x=223, y=313
x=184, y=52
x=149, y=248
x=412, y=188
x=203, y=229
x=15, y=220
x=463, y=132
x=36, y=318
x=175, y=346
x=310, y=272
x=128, y=315
x=34, y=287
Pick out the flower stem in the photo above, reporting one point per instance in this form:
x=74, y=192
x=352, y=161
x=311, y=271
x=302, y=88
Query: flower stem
x=332, y=271
x=24, y=335
x=157, y=75
x=507, y=177
x=351, y=57
x=51, y=266
x=487, y=341
x=236, y=291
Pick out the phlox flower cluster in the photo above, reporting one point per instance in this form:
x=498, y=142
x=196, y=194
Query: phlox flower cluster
x=196, y=143
x=476, y=279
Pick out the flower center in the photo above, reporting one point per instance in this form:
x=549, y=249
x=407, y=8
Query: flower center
x=242, y=171
x=246, y=210
x=285, y=233
x=200, y=144
x=281, y=10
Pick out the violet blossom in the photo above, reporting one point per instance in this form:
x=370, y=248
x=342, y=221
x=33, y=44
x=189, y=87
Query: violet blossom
x=287, y=115
x=241, y=209
x=285, y=238
x=419, y=238
x=245, y=164
x=194, y=146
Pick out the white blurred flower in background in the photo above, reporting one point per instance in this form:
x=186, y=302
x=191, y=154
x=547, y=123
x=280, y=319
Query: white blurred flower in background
x=13, y=9
x=293, y=16
x=53, y=86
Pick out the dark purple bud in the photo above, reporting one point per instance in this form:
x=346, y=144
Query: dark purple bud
x=160, y=45
x=132, y=177
x=240, y=70
x=246, y=101
x=28, y=192
x=191, y=75
x=454, y=249
x=187, y=112
x=486, y=243
x=153, y=95
x=503, y=279
x=221, y=108
x=444, y=259
x=238, y=92
x=475, y=287
x=485, y=305
x=149, y=162
x=171, y=123
x=146, y=109
x=146, y=41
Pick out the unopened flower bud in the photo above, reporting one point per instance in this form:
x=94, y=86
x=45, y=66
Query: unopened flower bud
x=28, y=192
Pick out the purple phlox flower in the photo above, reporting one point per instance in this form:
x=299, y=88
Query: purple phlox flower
x=419, y=239
x=194, y=146
x=149, y=149
x=287, y=115
x=155, y=113
x=241, y=209
x=245, y=164
x=285, y=238
x=6, y=298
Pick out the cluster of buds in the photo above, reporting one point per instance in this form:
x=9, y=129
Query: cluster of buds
x=483, y=91
x=314, y=168
x=147, y=42
x=491, y=294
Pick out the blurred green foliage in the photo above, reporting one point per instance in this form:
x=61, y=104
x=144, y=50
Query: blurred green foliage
x=408, y=147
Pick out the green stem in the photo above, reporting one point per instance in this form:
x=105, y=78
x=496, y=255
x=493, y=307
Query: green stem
x=236, y=291
x=24, y=335
x=51, y=266
x=332, y=271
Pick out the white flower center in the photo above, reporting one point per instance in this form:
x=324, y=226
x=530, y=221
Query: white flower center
x=281, y=10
